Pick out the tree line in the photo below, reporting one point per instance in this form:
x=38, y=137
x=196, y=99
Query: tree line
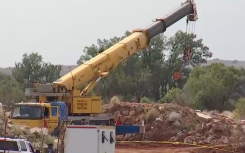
x=146, y=76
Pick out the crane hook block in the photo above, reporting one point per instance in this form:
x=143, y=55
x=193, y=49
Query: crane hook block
x=187, y=54
x=177, y=76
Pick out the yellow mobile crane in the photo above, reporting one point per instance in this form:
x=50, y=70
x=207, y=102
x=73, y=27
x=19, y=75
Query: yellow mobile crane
x=64, y=100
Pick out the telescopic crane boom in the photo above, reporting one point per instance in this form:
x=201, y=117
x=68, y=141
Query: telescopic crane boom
x=100, y=66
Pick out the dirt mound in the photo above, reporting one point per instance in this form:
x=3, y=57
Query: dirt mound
x=162, y=121
x=214, y=131
x=172, y=122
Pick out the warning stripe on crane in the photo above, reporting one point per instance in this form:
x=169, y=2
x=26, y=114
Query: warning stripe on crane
x=178, y=143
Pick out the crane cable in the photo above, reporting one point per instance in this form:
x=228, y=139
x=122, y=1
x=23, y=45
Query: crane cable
x=190, y=28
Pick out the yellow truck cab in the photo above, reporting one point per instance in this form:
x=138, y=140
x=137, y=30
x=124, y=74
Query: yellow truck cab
x=41, y=115
x=52, y=115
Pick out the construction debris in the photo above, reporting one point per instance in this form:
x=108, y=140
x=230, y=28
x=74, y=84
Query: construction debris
x=171, y=122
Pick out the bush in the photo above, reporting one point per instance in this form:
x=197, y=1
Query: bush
x=49, y=139
x=115, y=100
x=161, y=100
x=240, y=108
x=146, y=100
x=16, y=130
x=170, y=95
x=151, y=115
x=180, y=99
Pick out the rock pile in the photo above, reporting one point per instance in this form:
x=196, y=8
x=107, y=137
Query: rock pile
x=171, y=122
x=213, y=131
x=161, y=121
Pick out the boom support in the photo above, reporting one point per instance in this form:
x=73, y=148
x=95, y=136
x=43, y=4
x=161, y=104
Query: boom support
x=100, y=66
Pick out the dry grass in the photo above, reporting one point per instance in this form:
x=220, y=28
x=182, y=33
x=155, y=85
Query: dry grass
x=115, y=100
x=151, y=115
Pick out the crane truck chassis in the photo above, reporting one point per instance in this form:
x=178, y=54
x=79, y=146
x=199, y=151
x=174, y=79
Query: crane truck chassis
x=64, y=101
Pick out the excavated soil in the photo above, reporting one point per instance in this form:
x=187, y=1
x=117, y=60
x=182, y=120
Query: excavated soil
x=171, y=122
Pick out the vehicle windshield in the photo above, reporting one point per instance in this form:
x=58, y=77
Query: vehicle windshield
x=27, y=112
x=9, y=146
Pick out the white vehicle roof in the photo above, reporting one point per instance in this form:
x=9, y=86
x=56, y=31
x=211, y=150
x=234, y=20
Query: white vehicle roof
x=12, y=139
x=15, y=145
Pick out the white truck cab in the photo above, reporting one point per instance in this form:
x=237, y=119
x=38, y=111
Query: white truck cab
x=10, y=145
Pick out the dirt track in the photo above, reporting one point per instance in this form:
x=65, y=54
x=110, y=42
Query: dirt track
x=155, y=150
x=163, y=149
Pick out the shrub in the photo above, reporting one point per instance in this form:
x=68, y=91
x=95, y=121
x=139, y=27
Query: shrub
x=146, y=100
x=180, y=99
x=240, y=108
x=151, y=115
x=49, y=139
x=16, y=130
x=115, y=100
x=170, y=95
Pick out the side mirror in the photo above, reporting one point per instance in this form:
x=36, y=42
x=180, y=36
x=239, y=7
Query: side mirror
x=38, y=151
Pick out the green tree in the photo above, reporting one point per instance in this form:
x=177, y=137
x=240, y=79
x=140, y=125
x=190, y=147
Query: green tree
x=164, y=55
x=33, y=69
x=154, y=58
x=10, y=90
x=51, y=72
x=147, y=73
x=131, y=77
x=209, y=87
x=174, y=49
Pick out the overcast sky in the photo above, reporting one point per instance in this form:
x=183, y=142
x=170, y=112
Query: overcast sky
x=59, y=30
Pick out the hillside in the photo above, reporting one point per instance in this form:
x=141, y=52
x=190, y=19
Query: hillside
x=67, y=68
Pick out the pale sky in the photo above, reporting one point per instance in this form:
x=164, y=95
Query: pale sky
x=59, y=30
